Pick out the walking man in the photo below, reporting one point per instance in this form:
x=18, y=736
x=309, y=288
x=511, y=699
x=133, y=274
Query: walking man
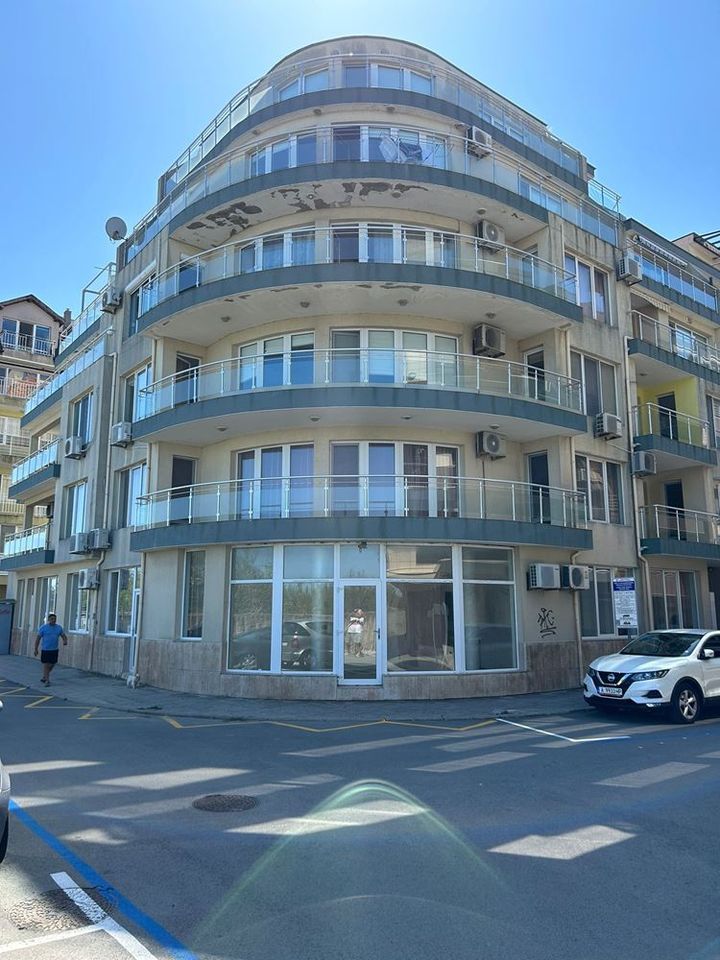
x=49, y=636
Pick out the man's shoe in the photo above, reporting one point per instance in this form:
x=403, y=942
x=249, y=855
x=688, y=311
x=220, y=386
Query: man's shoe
x=44, y=680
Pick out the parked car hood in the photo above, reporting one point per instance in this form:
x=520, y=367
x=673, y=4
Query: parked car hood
x=624, y=663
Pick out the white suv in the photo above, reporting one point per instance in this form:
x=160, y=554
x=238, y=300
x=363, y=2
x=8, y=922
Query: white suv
x=676, y=669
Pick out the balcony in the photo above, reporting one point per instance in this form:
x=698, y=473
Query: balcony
x=16, y=389
x=677, y=439
x=37, y=472
x=449, y=389
x=13, y=444
x=657, y=346
x=366, y=268
x=674, y=283
x=669, y=531
x=348, y=151
x=21, y=343
x=362, y=507
x=52, y=390
x=27, y=548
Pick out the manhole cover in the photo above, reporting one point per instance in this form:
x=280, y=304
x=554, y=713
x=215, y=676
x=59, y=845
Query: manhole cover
x=51, y=912
x=225, y=802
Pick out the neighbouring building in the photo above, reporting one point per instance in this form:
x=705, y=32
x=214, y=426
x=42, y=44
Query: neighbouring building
x=381, y=397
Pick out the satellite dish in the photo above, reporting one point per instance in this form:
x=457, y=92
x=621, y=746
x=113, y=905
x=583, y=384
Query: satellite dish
x=116, y=228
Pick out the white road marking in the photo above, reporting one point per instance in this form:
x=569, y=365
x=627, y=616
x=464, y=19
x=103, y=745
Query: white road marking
x=168, y=780
x=564, y=846
x=355, y=815
x=48, y=938
x=94, y=912
x=46, y=766
x=549, y=733
x=364, y=745
x=652, y=775
x=715, y=755
x=467, y=763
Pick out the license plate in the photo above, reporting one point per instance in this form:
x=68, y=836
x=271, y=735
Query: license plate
x=610, y=691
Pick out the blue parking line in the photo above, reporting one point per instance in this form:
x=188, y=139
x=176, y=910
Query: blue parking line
x=125, y=906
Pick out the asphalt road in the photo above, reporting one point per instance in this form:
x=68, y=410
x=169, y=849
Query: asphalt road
x=571, y=836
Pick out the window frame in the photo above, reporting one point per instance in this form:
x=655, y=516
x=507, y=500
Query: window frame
x=72, y=522
x=183, y=633
x=76, y=600
x=606, y=488
x=594, y=293
x=585, y=358
x=112, y=609
x=614, y=573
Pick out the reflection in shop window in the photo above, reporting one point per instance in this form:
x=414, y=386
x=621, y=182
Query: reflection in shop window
x=251, y=592
x=420, y=614
x=193, y=594
x=307, y=619
x=489, y=601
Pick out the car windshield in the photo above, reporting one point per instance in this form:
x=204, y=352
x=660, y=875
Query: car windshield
x=659, y=644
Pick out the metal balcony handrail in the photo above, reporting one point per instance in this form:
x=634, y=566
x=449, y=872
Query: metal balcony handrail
x=441, y=249
x=93, y=352
x=446, y=151
x=390, y=495
x=370, y=365
x=25, y=344
x=37, y=460
x=20, y=389
x=658, y=268
x=683, y=343
x=25, y=541
x=676, y=523
x=455, y=88
x=651, y=418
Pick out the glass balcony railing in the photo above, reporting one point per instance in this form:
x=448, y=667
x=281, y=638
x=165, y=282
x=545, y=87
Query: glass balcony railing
x=358, y=243
x=349, y=367
x=82, y=362
x=26, y=541
x=81, y=323
x=35, y=462
x=683, y=343
x=362, y=496
x=671, y=523
x=670, y=275
x=651, y=419
x=365, y=143
x=377, y=71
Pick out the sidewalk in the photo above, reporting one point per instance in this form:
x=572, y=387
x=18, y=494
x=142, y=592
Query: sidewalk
x=95, y=690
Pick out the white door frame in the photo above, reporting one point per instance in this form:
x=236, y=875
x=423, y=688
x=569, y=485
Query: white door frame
x=339, y=619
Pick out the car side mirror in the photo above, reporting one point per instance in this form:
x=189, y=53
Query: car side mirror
x=707, y=654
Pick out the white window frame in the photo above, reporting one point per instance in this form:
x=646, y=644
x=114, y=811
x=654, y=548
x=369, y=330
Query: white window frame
x=74, y=518
x=259, y=354
x=606, y=488
x=76, y=417
x=183, y=607
x=78, y=605
x=112, y=613
x=609, y=320
x=604, y=407
x=614, y=573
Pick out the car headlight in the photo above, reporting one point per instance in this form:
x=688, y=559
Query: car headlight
x=592, y=673
x=648, y=675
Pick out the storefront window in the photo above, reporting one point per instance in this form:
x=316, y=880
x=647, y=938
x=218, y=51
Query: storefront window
x=307, y=618
x=251, y=592
x=489, y=601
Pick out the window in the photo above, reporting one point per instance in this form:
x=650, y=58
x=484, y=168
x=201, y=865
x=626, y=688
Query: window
x=81, y=418
x=674, y=599
x=74, y=509
x=193, y=594
x=275, y=482
x=596, y=605
x=598, y=383
x=307, y=608
x=591, y=289
x=121, y=584
x=46, y=597
x=251, y=603
x=131, y=485
x=78, y=602
x=278, y=361
x=138, y=405
x=489, y=600
x=26, y=337
x=601, y=483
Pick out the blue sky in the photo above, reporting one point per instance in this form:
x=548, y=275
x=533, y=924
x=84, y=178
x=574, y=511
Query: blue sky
x=98, y=98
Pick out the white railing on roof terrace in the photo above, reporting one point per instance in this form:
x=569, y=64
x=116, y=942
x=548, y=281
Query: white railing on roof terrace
x=35, y=462
x=650, y=419
x=381, y=71
x=683, y=343
x=358, y=243
x=370, y=143
x=82, y=362
x=26, y=541
x=363, y=496
x=656, y=267
x=348, y=367
x=23, y=343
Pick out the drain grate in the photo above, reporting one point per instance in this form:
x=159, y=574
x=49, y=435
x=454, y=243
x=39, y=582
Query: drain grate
x=225, y=802
x=52, y=912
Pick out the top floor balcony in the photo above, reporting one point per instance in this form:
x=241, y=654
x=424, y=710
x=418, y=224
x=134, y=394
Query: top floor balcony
x=677, y=284
x=53, y=387
x=413, y=149
x=657, y=345
x=392, y=258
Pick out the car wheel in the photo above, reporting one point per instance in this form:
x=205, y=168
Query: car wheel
x=686, y=703
x=4, y=840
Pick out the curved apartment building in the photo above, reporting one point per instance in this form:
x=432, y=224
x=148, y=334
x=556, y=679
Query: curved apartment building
x=361, y=412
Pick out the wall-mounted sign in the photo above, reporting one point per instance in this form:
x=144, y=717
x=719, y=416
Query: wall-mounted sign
x=625, y=603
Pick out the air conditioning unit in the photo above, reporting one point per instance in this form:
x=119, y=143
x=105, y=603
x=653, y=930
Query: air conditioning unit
x=479, y=143
x=488, y=341
x=111, y=299
x=629, y=269
x=79, y=543
x=644, y=464
x=75, y=448
x=489, y=445
x=121, y=434
x=608, y=426
x=575, y=577
x=88, y=579
x=99, y=539
x=543, y=576
x=489, y=234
